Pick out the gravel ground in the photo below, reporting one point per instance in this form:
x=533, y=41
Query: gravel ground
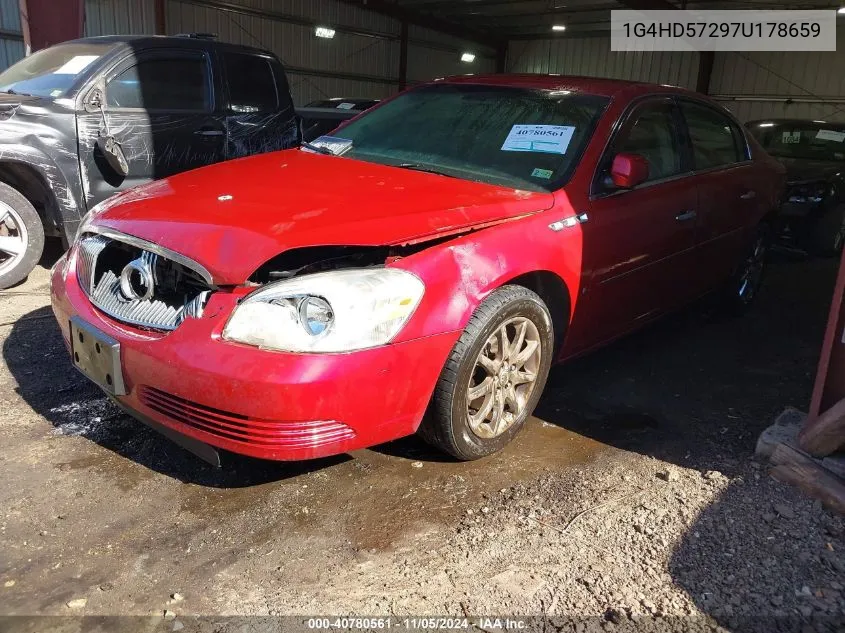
x=629, y=502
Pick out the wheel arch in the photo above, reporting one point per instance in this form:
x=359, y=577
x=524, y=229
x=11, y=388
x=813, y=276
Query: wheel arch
x=552, y=289
x=34, y=186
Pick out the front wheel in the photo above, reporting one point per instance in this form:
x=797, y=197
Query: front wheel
x=21, y=237
x=494, y=376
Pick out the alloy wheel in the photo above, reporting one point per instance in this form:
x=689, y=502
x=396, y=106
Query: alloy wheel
x=752, y=271
x=504, y=377
x=13, y=238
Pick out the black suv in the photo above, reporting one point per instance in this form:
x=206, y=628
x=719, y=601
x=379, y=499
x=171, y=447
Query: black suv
x=83, y=120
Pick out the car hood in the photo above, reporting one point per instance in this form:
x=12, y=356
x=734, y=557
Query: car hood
x=801, y=170
x=234, y=216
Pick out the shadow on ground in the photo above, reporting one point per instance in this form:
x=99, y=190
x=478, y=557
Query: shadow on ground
x=697, y=388
x=37, y=358
x=775, y=566
x=693, y=389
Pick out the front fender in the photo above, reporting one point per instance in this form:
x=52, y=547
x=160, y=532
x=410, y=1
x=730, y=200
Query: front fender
x=59, y=174
x=461, y=273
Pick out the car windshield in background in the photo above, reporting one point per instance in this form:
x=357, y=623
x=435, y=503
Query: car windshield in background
x=50, y=72
x=515, y=137
x=802, y=140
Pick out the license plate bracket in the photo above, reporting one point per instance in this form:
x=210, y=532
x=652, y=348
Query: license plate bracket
x=97, y=356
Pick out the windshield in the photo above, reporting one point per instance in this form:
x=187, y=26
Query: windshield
x=807, y=141
x=515, y=137
x=52, y=71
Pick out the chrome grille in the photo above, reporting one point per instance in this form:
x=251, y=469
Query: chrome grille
x=105, y=266
x=88, y=253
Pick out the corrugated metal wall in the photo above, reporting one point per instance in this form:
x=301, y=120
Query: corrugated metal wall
x=591, y=56
x=119, y=17
x=432, y=54
x=762, y=81
x=11, y=39
x=362, y=60
x=369, y=62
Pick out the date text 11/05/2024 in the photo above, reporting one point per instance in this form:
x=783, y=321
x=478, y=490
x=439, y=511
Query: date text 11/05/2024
x=417, y=623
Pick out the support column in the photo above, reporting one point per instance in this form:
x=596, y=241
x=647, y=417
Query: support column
x=160, y=17
x=47, y=22
x=403, y=55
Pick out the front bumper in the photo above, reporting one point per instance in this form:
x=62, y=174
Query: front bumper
x=270, y=405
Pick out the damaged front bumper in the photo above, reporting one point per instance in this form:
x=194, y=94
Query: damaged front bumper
x=265, y=404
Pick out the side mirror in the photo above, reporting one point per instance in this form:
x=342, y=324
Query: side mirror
x=112, y=153
x=628, y=170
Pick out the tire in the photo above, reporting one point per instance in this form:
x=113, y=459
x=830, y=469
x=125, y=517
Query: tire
x=21, y=226
x=745, y=283
x=827, y=234
x=448, y=425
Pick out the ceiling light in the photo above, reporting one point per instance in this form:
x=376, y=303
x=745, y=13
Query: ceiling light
x=841, y=10
x=767, y=125
x=324, y=31
x=558, y=27
x=468, y=58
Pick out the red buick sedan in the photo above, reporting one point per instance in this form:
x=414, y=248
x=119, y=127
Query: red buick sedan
x=419, y=271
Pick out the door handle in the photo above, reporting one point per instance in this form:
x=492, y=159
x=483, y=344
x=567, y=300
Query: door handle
x=208, y=132
x=748, y=195
x=686, y=215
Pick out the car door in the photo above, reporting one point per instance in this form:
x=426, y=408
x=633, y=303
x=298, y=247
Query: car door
x=259, y=112
x=638, y=243
x=728, y=191
x=159, y=106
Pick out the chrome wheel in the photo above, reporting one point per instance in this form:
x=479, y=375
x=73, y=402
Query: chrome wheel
x=752, y=271
x=13, y=238
x=839, y=239
x=504, y=377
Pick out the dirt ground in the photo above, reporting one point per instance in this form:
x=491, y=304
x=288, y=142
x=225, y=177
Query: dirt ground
x=631, y=497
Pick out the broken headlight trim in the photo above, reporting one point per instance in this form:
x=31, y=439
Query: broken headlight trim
x=334, y=311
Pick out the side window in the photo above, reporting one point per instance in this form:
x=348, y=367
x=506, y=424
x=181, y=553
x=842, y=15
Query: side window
x=179, y=83
x=715, y=140
x=651, y=133
x=252, y=87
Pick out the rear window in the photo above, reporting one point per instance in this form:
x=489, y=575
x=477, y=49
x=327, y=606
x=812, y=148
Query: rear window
x=716, y=140
x=252, y=86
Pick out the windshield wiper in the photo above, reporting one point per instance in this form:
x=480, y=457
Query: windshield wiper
x=317, y=148
x=426, y=169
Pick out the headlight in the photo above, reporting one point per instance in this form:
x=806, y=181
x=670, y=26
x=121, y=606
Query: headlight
x=337, y=311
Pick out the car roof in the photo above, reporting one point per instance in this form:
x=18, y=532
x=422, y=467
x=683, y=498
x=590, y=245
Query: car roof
x=796, y=122
x=589, y=85
x=160, y=41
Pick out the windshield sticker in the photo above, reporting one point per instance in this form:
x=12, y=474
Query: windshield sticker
x=830, y=135
x=345, y=106
x=334, y=144
x=545, y=174
x=75, y=65
x=548, y=139
x=791, y=136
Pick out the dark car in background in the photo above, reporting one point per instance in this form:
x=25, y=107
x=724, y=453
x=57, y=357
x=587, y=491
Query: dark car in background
x=812, y=215
x=323, y=116
x=86, y=119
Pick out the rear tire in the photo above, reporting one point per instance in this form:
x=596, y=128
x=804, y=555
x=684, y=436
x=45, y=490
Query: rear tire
x=21, y=237
x=494, y=376
x=745, y=283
